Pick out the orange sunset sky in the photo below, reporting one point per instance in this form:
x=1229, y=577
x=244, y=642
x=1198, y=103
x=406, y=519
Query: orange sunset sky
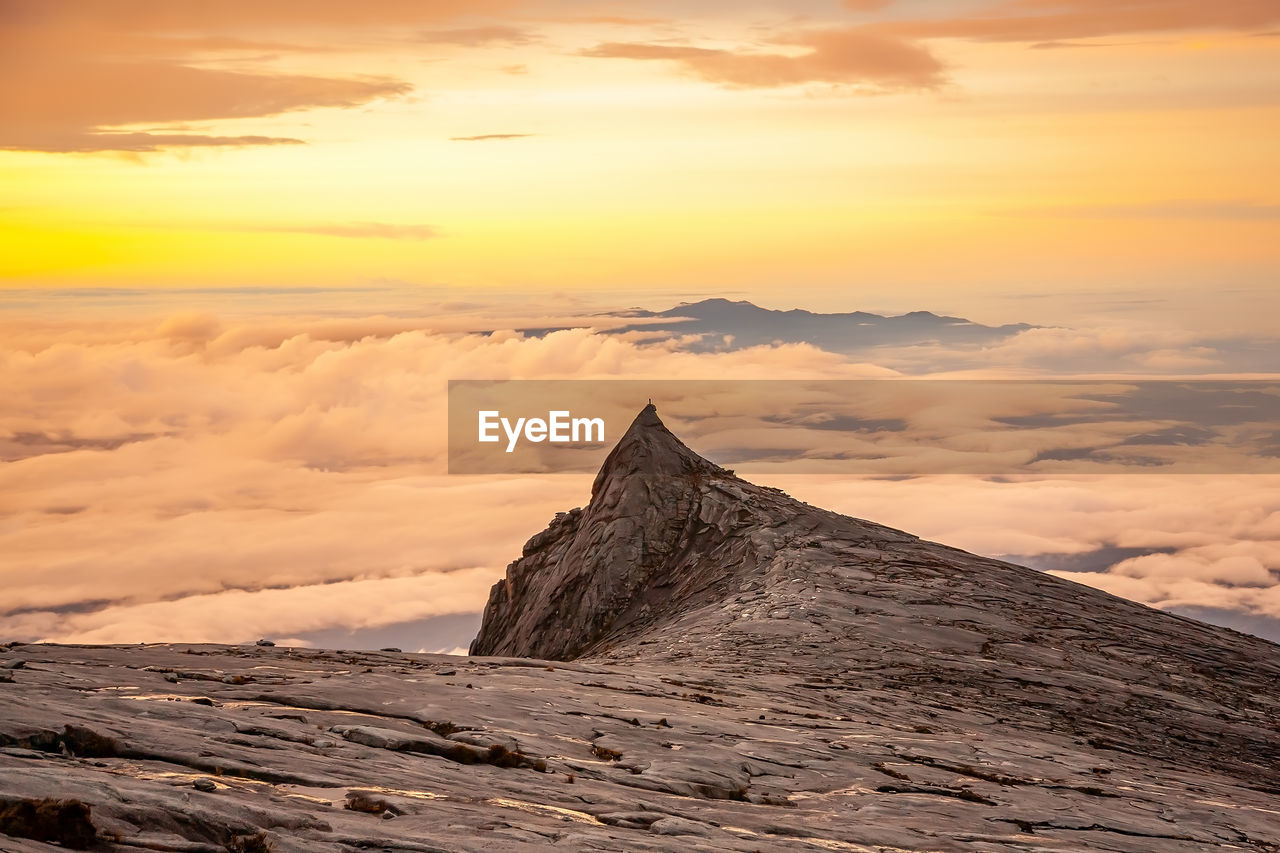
x=928, y=148
x=244, y=245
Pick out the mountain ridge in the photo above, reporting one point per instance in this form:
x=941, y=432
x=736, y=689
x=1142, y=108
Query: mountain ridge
x=722, y=323
x=676, y=559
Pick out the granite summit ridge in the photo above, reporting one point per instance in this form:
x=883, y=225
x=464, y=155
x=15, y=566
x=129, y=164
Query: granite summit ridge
x=676, y=559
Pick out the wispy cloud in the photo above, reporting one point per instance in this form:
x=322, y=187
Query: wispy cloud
x=478, y=36
x=57, y=103
x=137, y=143
x=485, y=137
x=1073, y=45
x=1056, y=20
x=354, y=230
x=612, y=20
x=842, y=56
x=1207, y=209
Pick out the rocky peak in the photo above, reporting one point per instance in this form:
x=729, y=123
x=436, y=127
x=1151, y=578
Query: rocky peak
x=610, y=566
x=666, y=534
x=678, y=561
x=648, y=451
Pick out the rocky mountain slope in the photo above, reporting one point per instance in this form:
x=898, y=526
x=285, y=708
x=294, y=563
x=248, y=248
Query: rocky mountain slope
x=691, y=662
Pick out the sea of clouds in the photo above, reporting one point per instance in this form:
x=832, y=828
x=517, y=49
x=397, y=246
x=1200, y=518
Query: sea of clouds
x=264, y=468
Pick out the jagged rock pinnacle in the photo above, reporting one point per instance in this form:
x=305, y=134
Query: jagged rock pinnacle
x=649, y=449
x=594, y=569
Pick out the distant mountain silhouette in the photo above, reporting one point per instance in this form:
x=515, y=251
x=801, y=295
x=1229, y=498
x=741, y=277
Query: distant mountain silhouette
x=723, y=323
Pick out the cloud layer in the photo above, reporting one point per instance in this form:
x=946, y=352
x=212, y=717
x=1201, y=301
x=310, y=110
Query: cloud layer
x=169, y=462
x=206, y=477
x=1221, y=534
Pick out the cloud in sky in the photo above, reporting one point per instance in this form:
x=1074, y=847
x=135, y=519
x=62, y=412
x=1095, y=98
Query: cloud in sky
x=486, y=137
x=842, y=56
x=1231, y=210
x=612, y=20
x=52, y=102
x=78, y=73
x=1053, y=20
x=475, y=36
x=356, y=230
x=93, y=139
x=179, y=15
x=1108, y=348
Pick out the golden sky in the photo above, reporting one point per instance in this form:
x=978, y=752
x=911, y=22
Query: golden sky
x=898, y=146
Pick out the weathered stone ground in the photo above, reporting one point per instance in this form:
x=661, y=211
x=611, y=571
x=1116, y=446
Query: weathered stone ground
x=749, y=674
x=207, y=748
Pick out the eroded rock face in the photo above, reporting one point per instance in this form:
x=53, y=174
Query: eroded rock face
x=749, y=674
x=595, y=571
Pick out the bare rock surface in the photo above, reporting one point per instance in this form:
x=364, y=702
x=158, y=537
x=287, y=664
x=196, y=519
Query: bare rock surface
x=691, y=662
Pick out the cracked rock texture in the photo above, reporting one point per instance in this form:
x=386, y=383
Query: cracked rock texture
x=691, y=662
